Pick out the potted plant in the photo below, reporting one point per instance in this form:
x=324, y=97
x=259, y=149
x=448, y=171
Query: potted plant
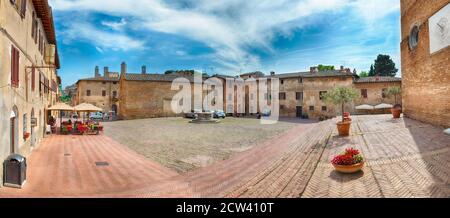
x=341, y=96
x=397, y=109
x=350, y=161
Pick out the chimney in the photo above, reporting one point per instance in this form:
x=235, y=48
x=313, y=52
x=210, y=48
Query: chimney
x=347, y=70
x=313, y=70
x=272, y=73
x=144, y=69
x=106, y=72
x=123, y=68
x=97, y=71
x=342, y=68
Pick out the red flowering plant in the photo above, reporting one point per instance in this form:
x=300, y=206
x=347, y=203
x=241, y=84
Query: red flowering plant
x=349, y=157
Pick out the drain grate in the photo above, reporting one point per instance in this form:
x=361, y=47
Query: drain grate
x=67, y=154
x=102, y=164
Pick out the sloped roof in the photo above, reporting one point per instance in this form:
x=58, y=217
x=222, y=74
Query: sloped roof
x=375, y=79
x=327, y=73
x=101, y=79
x=157, y=77
x=44, y=12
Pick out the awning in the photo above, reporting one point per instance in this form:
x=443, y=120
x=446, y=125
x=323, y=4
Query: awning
x=365, y=107
x=61, y=107
x=87, y=107
x=384, y=106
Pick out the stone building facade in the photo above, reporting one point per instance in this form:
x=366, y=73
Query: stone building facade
x=425, y=56
x=100, y=90
x=150, y=95
x=28, y=74
x=300, y=93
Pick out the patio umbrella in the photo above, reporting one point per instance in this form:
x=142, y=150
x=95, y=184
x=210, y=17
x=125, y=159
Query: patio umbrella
x=364, y=107
x=61, y=107
x=86, y=107
x=383, y=106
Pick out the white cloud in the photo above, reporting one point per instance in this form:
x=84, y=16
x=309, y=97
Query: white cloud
x=102, y=40
x=115, y=25
x=229, y=27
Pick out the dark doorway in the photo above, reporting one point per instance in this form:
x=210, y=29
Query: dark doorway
x=14, y=125
x=299, y=111
x=114, y=108
x=32, y=120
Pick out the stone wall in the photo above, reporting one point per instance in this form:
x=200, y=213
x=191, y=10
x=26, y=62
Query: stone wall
x=96, y=98
x=426, y=77
x=374, y=93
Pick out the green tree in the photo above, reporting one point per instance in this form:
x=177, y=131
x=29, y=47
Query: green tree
x=363, y=74
x=340, y=96
x=325, y=67
x=384, y=66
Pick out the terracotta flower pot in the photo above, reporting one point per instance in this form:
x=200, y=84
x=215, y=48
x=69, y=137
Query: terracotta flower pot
x=396, y=112
x=349, y=168
x=344, y=128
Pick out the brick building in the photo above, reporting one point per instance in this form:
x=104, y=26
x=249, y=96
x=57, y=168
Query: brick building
x=100, y=90
x=149, y=95
x=28, y=74
x=146, y=95
x=425, y=55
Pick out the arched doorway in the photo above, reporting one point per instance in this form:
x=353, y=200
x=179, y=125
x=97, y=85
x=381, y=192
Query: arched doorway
x=114, y=108
x=33, y=123
x=14, y=128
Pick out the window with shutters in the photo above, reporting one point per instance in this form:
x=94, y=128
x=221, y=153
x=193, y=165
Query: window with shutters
x=311, y=108
x=41, y=88
x=321, y=94
x=20, y=6
x=364, y=93
x=88, y=92
x=299, y=95
x=282, y=96
x=383, y=93
x=103, y=93
x=114, y=94
x=33, y=25
x=23, y=8
x=14, y=67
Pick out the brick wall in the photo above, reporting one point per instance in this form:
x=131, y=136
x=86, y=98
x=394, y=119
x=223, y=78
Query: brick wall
x=426, y=77
x=96, y=98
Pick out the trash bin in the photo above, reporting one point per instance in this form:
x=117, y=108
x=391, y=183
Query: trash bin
x=15, y=171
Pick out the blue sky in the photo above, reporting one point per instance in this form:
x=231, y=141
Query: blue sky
x=224, y=36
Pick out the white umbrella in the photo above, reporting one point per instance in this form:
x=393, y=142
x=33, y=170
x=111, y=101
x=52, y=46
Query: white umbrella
x=383, y=106
x=365, y=107
x=61, y=107
x=87, y=107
